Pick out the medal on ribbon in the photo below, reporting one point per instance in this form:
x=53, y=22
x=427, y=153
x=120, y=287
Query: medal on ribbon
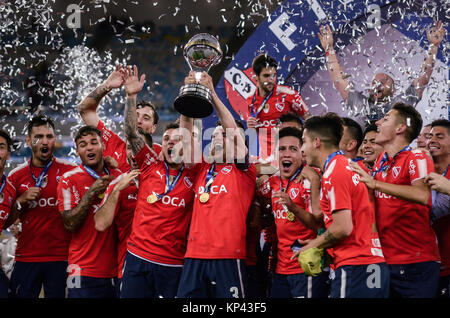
x=289, y=215
x=152, y=198
x=94, y=174
x=384, y=166
x=170, y=184
x=41, y=181
x=264, y=104
x=204, y=197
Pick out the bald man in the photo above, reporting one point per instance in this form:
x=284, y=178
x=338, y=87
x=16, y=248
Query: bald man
x=381, y=95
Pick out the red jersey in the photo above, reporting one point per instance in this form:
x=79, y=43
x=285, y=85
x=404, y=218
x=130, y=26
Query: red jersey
x=43, y=237
x=218, y=226
x=7, y=195
x=342, y=190
x=123, y=216
x=288, y=231
x=116, y=147
x=404, y=227
x=160, y=229
x=92, y=251
x=442, y=228
x=283, y=100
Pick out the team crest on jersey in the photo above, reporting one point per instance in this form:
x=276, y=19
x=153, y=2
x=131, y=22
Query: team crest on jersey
x=226, y=169
x=279, y=106
x=187, y=182
x=294, y=193
x=355, y=179
x=396, y=171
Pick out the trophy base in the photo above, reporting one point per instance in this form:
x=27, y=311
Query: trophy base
x=194, y=101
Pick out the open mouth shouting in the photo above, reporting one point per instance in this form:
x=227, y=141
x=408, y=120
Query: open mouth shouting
x=286, y=165
x=91, y=156
x=45, y=151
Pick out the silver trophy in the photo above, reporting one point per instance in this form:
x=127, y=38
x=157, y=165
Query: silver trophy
x=201, y=52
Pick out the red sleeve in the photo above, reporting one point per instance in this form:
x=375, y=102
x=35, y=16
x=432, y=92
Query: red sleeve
x=145, y=157
x=419, y=165
x=264, y=190
x=68, y=197
x=114, y=145
x=6, y=200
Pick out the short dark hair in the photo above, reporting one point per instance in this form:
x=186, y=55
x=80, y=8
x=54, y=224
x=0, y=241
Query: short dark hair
x=263, y=61
x=291, y=117
x=370, y=127
x=355, y=130
x=39, y=120
x=414, y=124
x=87, y=130
x=238, y=123
x=442, y=123
x=9, y=141
x=172, y=125
x=290, y=132
x=144, y=103
x=328, y=128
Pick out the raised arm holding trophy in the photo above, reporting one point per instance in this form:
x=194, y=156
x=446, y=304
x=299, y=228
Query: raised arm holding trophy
x=201, y=53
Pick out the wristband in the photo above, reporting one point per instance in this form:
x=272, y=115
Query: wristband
x=329, y=52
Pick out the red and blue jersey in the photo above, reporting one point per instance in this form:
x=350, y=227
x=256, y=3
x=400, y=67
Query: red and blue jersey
x=404, y=227
x=43, y=237
x=341, y=189
x=93, y=252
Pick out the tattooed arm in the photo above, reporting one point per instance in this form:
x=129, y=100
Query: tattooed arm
x=133, y=85
x=88, y=107
x=74, y=218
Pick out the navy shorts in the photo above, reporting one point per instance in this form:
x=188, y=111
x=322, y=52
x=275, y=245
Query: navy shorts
x=361, y=281
x=4, y=284
x=144, y=279
x=417, y=280
x=213, y=278
x=28, y=278
x=300, y=286
x=91, y=287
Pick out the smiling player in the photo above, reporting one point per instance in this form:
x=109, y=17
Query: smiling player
x=288, y=197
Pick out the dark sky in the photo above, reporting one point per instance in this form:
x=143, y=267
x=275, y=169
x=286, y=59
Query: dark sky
x=173, y=12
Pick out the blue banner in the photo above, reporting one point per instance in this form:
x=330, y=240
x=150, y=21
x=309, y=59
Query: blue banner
x=290, y=36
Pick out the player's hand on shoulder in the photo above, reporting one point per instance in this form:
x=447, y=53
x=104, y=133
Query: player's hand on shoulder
x=126, y=180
